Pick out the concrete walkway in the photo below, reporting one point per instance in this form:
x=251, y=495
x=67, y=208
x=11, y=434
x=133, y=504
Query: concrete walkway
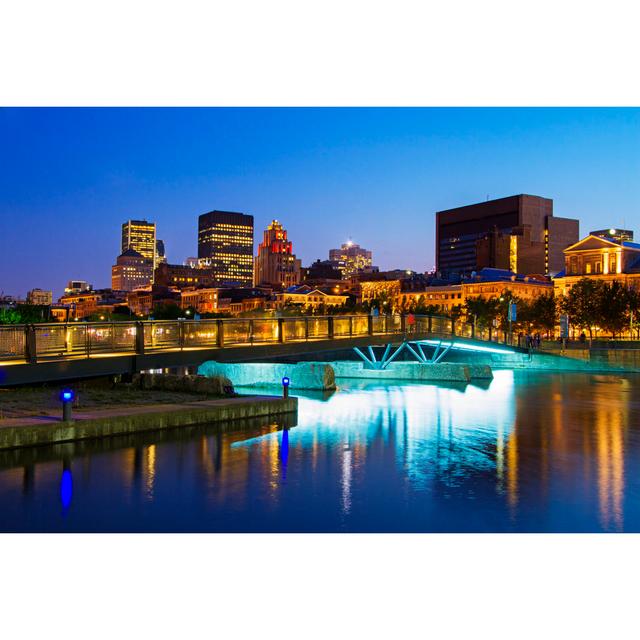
x=40, y=430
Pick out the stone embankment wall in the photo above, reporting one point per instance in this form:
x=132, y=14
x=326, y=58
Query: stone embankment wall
x=303, y=375
x=216, y=385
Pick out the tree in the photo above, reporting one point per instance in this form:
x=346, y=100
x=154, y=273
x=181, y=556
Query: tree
x=543, y=312
x=634, y=310
x=583, y=304
x=614, y=305
x=25, y=314
x=168, y=311
x=482, y=311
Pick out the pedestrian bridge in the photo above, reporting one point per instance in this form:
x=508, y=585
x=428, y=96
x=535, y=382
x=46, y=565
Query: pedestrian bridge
x=50, y=352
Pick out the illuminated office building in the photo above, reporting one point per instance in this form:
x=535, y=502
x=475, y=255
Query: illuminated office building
x=276, y=265
x=518, y=233
x=140, y=236
x=350, y=258
x=225, y=246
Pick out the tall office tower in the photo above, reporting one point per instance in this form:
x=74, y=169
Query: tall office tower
x=225, y=245
x=130, y=271
x=161, y=256
x=140, y=236
x=276, y=265
x=518, y=233
x=350, y=258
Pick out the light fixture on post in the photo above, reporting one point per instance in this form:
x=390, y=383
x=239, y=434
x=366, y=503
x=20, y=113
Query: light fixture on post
x=66, y=397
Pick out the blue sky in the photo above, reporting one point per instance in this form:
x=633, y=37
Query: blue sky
x=69, y=177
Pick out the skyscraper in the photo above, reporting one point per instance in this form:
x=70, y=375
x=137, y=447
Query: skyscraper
x=350, y=258
x=276, y=265
x=518, y=233
x=140, y=236
x=225, y=245
x=161, y=256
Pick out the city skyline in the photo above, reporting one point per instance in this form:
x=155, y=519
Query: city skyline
x=71, y=176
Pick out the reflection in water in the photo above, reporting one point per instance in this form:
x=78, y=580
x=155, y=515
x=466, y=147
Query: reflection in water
x=610, y=467
x=528, y=452
x=284, y=452
x=66, y=486
x=150, y=470
x=346, y=479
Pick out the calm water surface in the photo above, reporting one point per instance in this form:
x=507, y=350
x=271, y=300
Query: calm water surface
x=527, y=452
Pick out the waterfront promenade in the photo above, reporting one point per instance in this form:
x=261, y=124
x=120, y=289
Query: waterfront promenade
x=47, y=429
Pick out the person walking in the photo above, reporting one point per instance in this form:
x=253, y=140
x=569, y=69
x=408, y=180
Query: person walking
x=411, y=322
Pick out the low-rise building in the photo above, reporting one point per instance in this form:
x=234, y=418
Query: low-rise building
x=183, y=276
x=40, y=297
x=605, y=259
x=143, y=301
x=403, y=295
x=308, y=298
x=202, y=300
x=81, y=305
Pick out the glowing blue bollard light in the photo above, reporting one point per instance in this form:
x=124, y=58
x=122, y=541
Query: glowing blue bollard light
x=66, y=397
x=285, y=387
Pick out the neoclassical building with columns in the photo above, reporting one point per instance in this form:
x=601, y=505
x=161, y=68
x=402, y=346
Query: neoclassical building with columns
x=605, y=259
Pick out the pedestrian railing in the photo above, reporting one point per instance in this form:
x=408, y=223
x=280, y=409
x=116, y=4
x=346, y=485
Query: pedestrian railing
x=32, y=343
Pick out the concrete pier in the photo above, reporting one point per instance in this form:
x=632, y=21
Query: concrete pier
x=416, y=371
x=46, y=430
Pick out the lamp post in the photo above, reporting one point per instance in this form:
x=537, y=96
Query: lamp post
x=511, y=316
x=285, y=387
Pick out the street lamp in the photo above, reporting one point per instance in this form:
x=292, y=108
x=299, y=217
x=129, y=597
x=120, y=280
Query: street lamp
x=511, y=315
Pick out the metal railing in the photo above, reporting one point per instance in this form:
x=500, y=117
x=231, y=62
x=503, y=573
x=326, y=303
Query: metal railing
x=51, y=341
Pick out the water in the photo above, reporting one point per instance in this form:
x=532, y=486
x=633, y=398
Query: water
x=527, y=452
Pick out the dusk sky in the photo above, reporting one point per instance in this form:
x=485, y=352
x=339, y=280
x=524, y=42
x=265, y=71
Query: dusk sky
x=70, y=177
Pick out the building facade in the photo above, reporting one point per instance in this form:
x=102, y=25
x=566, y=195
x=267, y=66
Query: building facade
x=184, y=276
x=80, y=305
x=276, y=265
x=396, y=295
x=225, y=245
x=518, y=233
x=77, y=286
x=132, y=270
x=307, y=298
x=40, y=297
x=605, y=259
x=161, y=255
x=350, y=258
x=140, y=236
x=622, y=235
x=202, y=300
